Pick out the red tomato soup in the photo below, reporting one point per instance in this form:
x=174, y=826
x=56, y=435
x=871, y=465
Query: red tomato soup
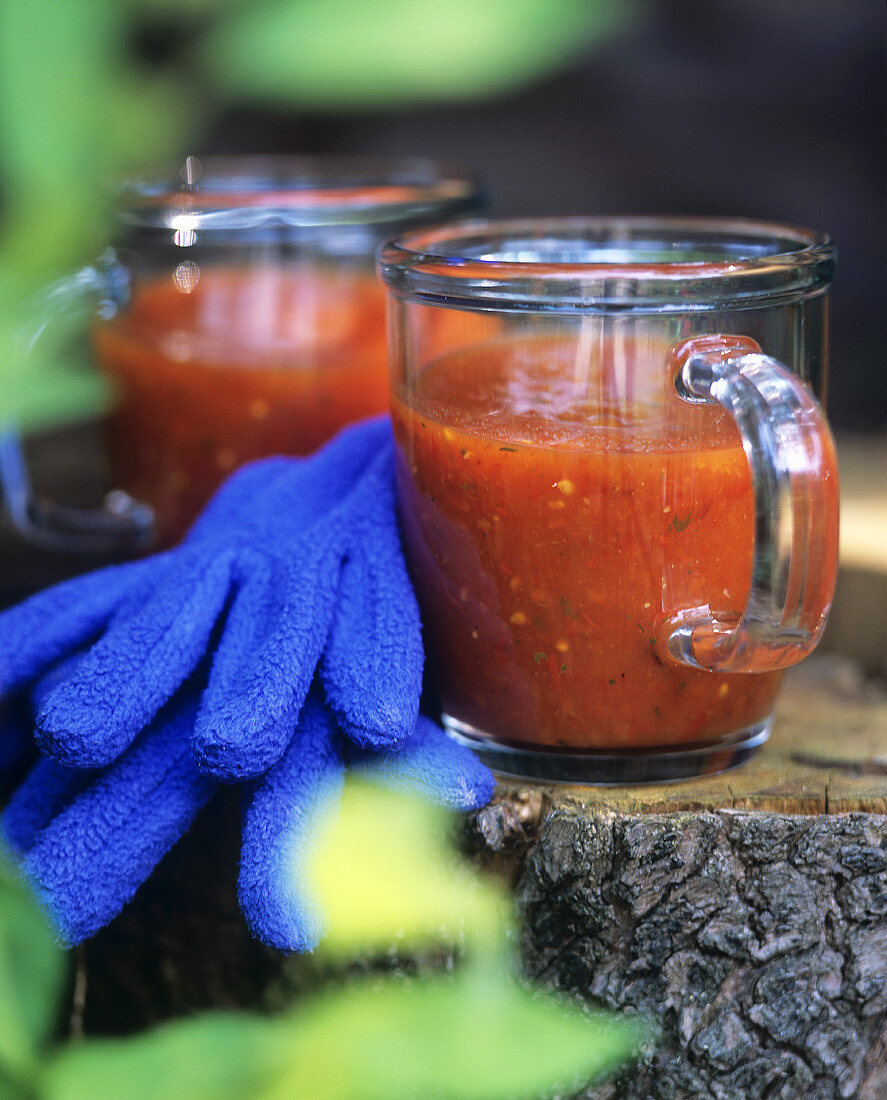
x=554, y=521
x=215, y=367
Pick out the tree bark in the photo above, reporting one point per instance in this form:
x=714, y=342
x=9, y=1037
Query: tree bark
x=758, y=943
x=755, y=938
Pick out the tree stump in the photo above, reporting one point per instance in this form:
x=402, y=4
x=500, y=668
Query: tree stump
x=746, y=914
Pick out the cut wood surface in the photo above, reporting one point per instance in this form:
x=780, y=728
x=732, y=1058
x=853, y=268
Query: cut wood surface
x=827, y=754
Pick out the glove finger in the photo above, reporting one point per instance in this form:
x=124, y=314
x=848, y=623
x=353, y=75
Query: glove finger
x=45, y=792
x=17, y=717
x=431, y=764
x=221, y=745
x=49, y=625
x=89, y=860
x=136, y=667
x=257, y=685
x=282, y=815
x=372, y=665
x=51, y=679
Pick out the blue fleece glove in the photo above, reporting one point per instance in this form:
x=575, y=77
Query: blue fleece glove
x=89, y=839
x=295, y=566
x=280, y=812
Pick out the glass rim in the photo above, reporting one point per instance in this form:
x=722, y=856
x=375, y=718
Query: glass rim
x=244, y=192
x=519, y=264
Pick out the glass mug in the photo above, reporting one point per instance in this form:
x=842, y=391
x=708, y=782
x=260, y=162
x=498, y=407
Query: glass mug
x=619, y=495
x=238, y=315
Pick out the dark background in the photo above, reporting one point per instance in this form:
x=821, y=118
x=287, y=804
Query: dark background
x=771, y=109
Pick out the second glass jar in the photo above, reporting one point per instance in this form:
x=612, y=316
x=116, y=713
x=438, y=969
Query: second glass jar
x=243, y=316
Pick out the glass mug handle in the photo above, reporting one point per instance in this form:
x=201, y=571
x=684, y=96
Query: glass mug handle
x=122, y=526
x=795, y=484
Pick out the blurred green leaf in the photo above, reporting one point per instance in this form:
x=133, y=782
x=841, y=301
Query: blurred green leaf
x=146, y=8
x=36, y=393
x=478, y=1035
x=211, y=1057
x=475, y=1035
x=72, y=118
x=55, y=92
x=42, y=379
x=11, y=1090
x=149, y=121
x=385, y=873
x=32, y=970
x=363, y=53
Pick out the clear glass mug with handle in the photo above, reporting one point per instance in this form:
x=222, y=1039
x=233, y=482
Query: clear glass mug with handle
x=618, y=490
x=237, y=315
